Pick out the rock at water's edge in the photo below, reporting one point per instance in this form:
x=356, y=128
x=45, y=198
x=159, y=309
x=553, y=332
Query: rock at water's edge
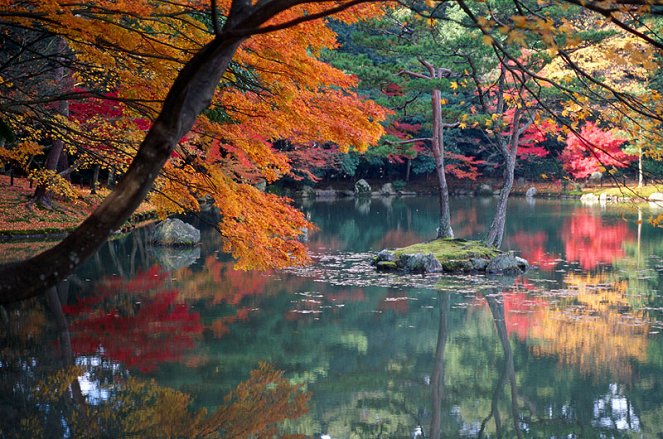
x=420, y=263
x=362, y=188
x=507, y=263
x=175, y=232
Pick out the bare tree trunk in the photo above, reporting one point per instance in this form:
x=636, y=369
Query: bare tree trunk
x=444, y=230
x=496, y=230
x=408, y=168
x=95, y=180
x=640, y=176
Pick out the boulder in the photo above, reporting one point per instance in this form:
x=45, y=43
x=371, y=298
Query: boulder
x=656, y=200
x=507, y=263
x=420, y=263
x=175, y=232
x=387, y=255
x=479, y=264
x=485, y=189
x=388, y=189
x=531, y=192
x=656, y=197
x=362, y=188
x=589, y=199
x=308, y=192
x=261, y=185
x=328, y=194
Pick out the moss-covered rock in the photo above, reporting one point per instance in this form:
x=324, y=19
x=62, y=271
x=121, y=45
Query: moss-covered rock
x=449, y=255
x=386, y=266
x=447, y=249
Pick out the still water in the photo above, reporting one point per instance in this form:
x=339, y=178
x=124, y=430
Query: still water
x=142, y=340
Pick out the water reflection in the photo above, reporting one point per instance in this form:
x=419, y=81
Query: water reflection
x=572, y=348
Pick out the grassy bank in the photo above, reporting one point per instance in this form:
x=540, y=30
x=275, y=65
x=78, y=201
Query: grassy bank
x=20, y=217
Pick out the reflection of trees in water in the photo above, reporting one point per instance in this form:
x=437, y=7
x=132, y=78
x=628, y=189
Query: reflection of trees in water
x=590, y=241
x=42, y=398
x=508, y=372
x=437, y=378
x=595, y=329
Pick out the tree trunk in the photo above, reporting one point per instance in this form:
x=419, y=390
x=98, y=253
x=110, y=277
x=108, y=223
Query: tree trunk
x=408, y=168
x=640, y=176
x=444, y=230
x=95, y=180
x=496, y=230
x=41, y=196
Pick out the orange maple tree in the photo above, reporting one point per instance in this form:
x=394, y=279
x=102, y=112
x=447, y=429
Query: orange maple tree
x=170, y=62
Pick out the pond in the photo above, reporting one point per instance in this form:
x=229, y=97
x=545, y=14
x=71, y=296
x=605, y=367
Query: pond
x=142, y=338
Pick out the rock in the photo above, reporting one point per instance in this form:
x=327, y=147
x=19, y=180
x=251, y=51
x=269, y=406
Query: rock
x=387, y=255
x=656, y=196
x=457, y=265
x=507, y=263
x=261, y=185
x=589, y=199
x=327, y=194
x=388, y=189
x=171, y=258
x=479, y=264
x=175, y=232
x=308, y=192
x=420, y=263
x=656, y=200
x=349, y=194
x=408, y=193
x=531, y=192
x=362, y=188
x=386, y=266
x=595, y=178
x=603, y=199
x=485, y=189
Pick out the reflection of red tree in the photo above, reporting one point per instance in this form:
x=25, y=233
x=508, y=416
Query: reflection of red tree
x=590, y=242
x=532, y=247
x=140, y=330
x=521, y=313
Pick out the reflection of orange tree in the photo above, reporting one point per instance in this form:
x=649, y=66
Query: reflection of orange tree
x=255, y=408
x=141, y=329
x=595, y=328
x=591, y=242
x=218, y=283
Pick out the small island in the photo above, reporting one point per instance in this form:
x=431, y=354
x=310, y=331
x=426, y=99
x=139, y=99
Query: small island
x=450, y=255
